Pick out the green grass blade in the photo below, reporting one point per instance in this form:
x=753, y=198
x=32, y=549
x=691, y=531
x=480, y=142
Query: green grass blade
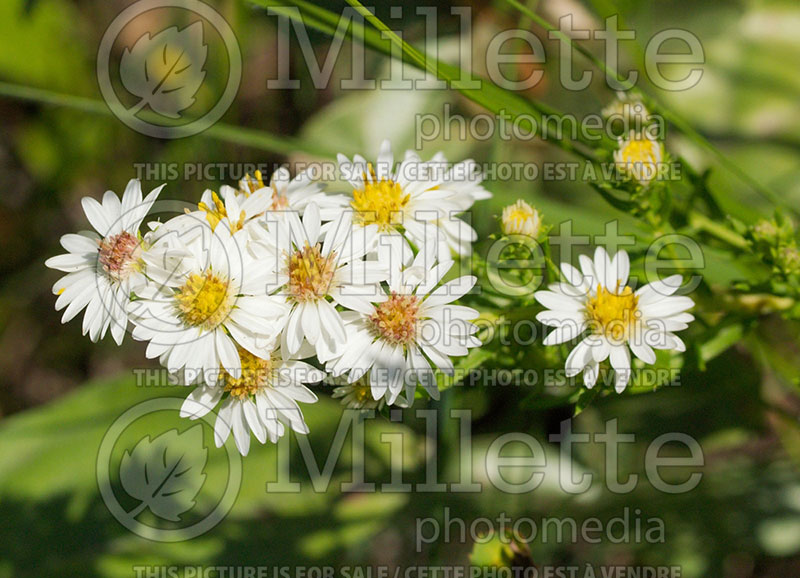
x=257, y=139
x=489, y=96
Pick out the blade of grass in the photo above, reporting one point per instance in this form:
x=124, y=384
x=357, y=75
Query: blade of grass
x=257, y=139
x=489, y=96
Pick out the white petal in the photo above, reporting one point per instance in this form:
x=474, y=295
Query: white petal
x=578, y=358
x=96, y=215
x=222, y=427
x=558, y=302
x=571, y=274
x=642, y=351
x=621, y=267
x=565, y=332
x=200, y=401
x=226, y=350
x=241, y=434
x=590, y=374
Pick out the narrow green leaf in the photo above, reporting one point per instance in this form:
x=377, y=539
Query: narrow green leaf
x=257, y=139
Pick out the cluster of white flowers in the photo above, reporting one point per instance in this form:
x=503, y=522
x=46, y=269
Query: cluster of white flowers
x=266, y=288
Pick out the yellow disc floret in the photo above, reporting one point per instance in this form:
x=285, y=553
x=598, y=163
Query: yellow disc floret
x=640, y=151
x=380, y=203
x=218, y=212
x=396, y=319
x=310, y=273
x=204, y=300
x=612, y=314
x=251, y=184
x=639, y=156
x=255, y=374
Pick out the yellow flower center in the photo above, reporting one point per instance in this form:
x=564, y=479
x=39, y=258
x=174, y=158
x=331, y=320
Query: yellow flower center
x=395, y=320
x=612, y=314
x=640, y=152
x=255, y=374
x=119, y=255
x=380, y=203
x=310, y=274
x=204, y=300
x=252, y=184
x=218, y=212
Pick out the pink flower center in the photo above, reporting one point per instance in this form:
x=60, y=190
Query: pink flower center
x=119, y=255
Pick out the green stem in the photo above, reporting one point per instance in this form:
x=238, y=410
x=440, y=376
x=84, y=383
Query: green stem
x=717, y=230
x=552, y=268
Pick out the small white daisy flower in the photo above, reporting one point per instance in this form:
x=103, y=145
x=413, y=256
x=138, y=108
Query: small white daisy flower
x=295, y=194
x=639, y=157
x=407, y=204
x=315, y=272
x=260, y=398
x=597, y=300
x=402, y=340
x=196, y=316
x=103, y=269
x=520, y=219
x=232, y=210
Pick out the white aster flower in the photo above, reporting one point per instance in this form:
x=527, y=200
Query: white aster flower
x=103, y=268
x=230, y=209
x=597, y=300
x=521, y=219
x=295, y=194
x=464, y=180
x=402, y=340
x=260, y=398
x=195, y=316
x=639, y=157
x=315, y=271
x=409, y=205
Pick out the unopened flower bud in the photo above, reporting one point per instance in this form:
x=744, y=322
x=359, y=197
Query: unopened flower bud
x=521, y=219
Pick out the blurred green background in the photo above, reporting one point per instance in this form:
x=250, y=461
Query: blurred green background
x=59, y=392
